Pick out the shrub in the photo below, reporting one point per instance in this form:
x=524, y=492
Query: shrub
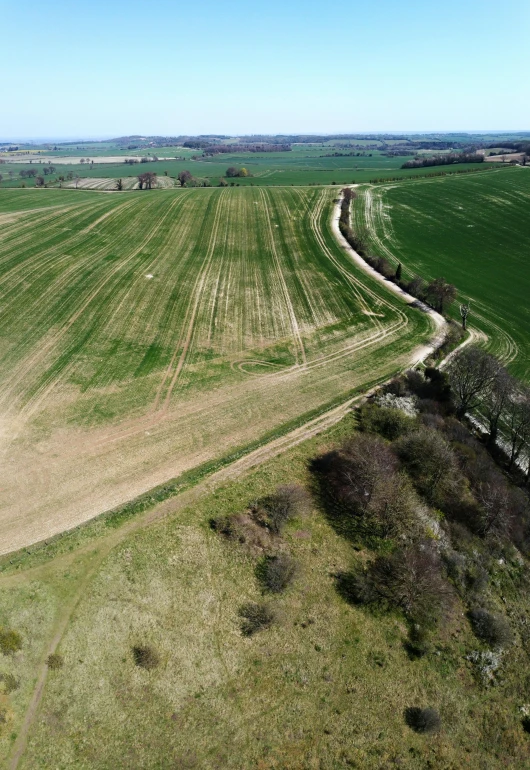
x=10, y=641
x=423, y=720
x=491, y=628
x=146, y=657
x=276, y=572
x=224, y=525
x=409, y=579
x=274, y=511
x=419, y=641
x=363, y=476
x=11, y=683
x=432, y=465
x=391, y=423
x=256, y=617
x=55, y=661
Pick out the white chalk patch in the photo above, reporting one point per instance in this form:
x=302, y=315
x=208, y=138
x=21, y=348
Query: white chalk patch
x=149, y=275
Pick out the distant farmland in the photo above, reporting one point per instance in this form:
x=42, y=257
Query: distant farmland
x=142, y=334
x=472, y=229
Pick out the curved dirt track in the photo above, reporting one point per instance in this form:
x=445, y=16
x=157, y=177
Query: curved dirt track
x=439, y=321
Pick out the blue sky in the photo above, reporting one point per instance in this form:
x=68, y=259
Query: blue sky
x=104, y=68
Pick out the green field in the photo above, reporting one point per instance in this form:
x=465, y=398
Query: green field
x=472, y=229
x=146, y=333
x=304, y=165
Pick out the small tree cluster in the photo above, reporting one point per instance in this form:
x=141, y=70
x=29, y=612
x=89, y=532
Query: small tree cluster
x=233, y=172
x=480, y=382
x=147, y=180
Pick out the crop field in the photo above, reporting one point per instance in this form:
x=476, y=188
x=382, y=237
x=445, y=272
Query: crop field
x=109, y=183
x=475, y=231
x=143, y=334
x=315, y=165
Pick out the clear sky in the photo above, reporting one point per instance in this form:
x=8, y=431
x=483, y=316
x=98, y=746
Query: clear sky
x=113, y=67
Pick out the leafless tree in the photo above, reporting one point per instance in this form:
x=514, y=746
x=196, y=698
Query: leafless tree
x=496, y=401
x=464, y=312
x=147, y=180
x=517, y=421
x=495, y=501
x=440, y=293
x=471, y=374
x=183, y=177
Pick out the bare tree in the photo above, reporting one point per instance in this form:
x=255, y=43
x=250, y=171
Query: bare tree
x=464, y=312
x=183, y=177
x=471, y=375
x=517, y=421
x=147, y=180
x=495, y=503
x=496, y=401
x=440, y=293
x=119, y=184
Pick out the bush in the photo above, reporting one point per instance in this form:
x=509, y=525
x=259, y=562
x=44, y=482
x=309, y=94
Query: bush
x=146, y=657
x=419, y=641
x=423, y=720
x=10, y=641
x=491, y=628
x=256, y=617
x=11, y=683
x=376, y=500
x=223, y=525
x=274, y=511
x=55, y=661
x=432, y=466
x=391, y=423
x=410, y=579
x=276, y=572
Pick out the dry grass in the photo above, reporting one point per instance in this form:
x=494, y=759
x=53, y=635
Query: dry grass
x=326, y=686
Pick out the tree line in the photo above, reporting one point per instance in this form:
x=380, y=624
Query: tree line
x=439, y=293
x=438, y=512
x=444, y=160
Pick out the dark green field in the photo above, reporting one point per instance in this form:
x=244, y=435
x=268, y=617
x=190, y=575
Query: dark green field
x=474, y=230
